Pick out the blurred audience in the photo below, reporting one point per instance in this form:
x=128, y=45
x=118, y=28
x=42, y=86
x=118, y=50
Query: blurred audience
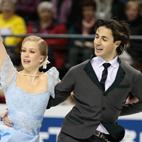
x=117, y=10
x=76, y=12
x=124, y=1
x=134, y=19
x=81, y=49
x=27, y=9
x=47, y=25
x=62, y=10
x=103, y=9
x=10, y=23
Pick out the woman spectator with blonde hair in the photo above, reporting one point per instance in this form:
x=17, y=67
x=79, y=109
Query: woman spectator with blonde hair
x=11, y=24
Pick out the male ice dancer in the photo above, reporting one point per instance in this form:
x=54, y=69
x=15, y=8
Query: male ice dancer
x=101, y=86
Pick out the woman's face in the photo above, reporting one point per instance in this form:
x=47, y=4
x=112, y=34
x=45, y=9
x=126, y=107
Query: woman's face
x=30, y=55
x=45, y=14
x=88, y=12
x=132, y=12
x=7, y=8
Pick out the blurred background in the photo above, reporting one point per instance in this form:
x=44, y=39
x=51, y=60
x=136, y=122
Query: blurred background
x=68, y=28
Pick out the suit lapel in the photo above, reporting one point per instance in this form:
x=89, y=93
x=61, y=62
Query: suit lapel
x=119, y=77
x=91, y=74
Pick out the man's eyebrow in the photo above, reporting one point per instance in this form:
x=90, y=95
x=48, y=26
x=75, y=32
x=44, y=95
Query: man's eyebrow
x=102, y=36
x=105, y=37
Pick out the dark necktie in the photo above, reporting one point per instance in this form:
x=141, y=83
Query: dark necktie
x=104, y=74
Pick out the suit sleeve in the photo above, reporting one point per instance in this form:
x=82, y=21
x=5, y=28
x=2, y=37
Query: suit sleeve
x=62, y=89
x=137, y=92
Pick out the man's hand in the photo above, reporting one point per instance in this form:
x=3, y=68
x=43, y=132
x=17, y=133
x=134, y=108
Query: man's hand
x=5, y=119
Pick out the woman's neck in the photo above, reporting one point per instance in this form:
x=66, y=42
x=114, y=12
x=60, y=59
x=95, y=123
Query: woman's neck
x=30, y=73
x=7, y=16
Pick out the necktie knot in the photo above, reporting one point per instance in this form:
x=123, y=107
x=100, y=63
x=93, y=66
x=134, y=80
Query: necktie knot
x=106, y=65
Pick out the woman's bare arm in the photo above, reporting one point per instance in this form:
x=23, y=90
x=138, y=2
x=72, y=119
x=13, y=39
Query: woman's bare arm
x=1, y=92
x=3, y=53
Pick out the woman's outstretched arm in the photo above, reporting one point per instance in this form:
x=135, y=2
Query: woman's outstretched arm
x=3, y=53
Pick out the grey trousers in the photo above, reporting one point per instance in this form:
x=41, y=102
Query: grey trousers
x=66, y=138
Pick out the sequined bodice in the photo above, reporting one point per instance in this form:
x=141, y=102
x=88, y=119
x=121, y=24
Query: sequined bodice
x=26, y=110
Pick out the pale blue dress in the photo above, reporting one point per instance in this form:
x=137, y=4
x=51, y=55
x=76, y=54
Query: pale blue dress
x=25, y=110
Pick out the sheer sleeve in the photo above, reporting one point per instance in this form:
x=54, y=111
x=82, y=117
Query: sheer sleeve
x=53, y=78
x=8, y=73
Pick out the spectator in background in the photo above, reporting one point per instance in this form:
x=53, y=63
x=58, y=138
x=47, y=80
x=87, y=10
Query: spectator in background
x=47, y=25
x=27, y=9
x=134, y=19
x=10, y=23
x=84, y=26
x=117, y=10
x=103, y=10
x=76, y=12
x=62, y=10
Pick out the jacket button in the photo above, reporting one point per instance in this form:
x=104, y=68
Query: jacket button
x=103, y=108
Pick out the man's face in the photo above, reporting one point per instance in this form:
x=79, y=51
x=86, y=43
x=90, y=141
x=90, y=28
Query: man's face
x=104, y=44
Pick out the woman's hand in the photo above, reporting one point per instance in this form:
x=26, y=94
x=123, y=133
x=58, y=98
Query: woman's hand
x=70, y=99
x=5, y=119
x=131, y=100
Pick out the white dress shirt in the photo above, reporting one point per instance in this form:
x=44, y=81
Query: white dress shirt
x=97, y=64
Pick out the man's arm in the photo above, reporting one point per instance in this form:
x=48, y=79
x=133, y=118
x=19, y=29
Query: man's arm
x=63, y=89
x=133, y=108
x=136, y=107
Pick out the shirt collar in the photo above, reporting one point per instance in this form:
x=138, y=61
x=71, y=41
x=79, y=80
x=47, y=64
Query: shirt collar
x=101, y=61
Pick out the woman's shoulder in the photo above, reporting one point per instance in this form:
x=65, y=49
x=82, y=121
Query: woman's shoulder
x=52, y=70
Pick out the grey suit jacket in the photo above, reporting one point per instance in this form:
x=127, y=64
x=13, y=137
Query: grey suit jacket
x=93, y=105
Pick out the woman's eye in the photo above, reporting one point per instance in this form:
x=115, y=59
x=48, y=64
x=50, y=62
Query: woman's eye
x=32, y=51
x=23, y=50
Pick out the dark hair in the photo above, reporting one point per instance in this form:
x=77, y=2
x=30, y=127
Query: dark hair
x=89, y=3
x=120, y=31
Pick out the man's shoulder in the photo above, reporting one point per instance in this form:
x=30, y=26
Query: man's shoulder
x=129, y=69
x=79, y=66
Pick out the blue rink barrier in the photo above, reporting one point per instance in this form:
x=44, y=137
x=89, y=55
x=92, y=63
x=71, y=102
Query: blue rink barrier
x=53, y=119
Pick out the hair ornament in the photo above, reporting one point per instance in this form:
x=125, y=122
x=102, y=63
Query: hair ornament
x=45, y=62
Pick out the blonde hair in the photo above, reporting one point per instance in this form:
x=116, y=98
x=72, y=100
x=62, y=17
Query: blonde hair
x=47, y=5
x=42, y=45
x=131, y=3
